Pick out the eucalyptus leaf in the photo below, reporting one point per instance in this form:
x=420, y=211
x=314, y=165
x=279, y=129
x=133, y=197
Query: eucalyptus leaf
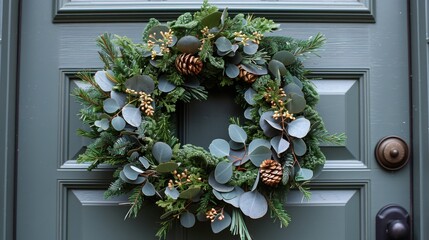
x=279, y=144
x=296, y=103
x=138, y=181
x=140, y=83
x=287, y=58
x=254, y=68
x=166, y=167
x=253, y=204
x=223, y=44
x=217, y=194
x=236, y=146
x=248, y=113
x=120, y=98
x=231, y=70
x=162, y=152
x=304, y=174
x=257, y=142
x=298, y=82
x=277, y=68
x=130, y=173
x=299, y=127
x=164, y=85
x=293, y=88
x=249, y=96
x=219, y=148
x=103, y=123
x=233, y=194
x=299, y=146
x=103, y=81
x=235, y=201
x=217, y=186
x=188, y=44
x=260, y=154
x=190, y=193
x=224, y=17
x=148, y=189
x=274, y=123
x=138, y=170
x=250, y=47
x=223, y=172
x=268, y=130
x=187, y=219
x=237, y=134
x=143, y=160
x=237, y=58
x=132, y=115
x=118, y=123
x=255, y=184
x=173, y=192
x=110, y=105
x=219, y=225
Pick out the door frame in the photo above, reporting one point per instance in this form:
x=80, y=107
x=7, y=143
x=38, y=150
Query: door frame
x=419, y=80
x=8, y=103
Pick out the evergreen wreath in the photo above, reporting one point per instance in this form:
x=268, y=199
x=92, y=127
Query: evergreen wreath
x=130, y=105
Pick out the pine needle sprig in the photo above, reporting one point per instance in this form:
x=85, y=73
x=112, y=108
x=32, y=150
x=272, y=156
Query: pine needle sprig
x=238, y=226
x=310, y=45
x=277, y=211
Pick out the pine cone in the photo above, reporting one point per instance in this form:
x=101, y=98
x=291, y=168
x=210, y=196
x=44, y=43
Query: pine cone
x=187, y=64
x=247, y=76
x=271, y=172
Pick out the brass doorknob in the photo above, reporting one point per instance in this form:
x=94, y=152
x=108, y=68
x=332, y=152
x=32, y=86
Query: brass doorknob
x=392, y=153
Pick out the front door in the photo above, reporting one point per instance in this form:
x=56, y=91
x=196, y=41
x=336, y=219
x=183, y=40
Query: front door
x=362, y=77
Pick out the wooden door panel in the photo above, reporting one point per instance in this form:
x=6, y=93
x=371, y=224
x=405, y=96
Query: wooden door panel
x=361, y=77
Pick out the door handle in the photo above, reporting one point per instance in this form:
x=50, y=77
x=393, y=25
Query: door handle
x=393, y=223
x=392, y=153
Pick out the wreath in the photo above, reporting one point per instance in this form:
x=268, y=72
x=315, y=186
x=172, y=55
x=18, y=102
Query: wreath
x=130, y=108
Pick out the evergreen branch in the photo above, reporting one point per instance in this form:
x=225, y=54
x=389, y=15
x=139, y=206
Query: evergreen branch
x=310, y=45
x=163, y=230
x=238, y=226
x=108, y=51
x=277, y=210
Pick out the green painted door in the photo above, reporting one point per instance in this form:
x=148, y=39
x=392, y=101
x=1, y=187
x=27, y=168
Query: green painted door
x=362, y=79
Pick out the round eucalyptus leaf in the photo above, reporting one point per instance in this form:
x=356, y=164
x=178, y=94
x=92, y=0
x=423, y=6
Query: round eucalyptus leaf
x=298, y=82
x=173, y=41
x=253, y=204
x=299, y=127
x=293, y=88
x=143, y=160
x=260, y=154
x=138, y=181
x=250, y=47
x=219, y=148
x=274, y=123
x=211, y=20
x=223, y=172
x=157, y=32
x=255, y=184
x=110, y=105
x=296, y=103
x=118, y=123
x=129, y=173
x=249, y=96
x=173, y=192
x=257, y=142
x=219, y=225
x=236, y=200
x=119, y=97
x=164, y=85
x=248, y=113
x=299, y=146
x=223, y=44
x=279, y=144
x=220, y=53
x=217, y=186
x=140, y=83
x=103, y=123
x=162, y=152
x=237, y=134
x=233, y=194
x=132, y=115
x=103, y=81
x=187, y=219
x=188, y=44
x=287, y=58
x=268, y=130
x=277, y=68
x=166, y=167
x=231, y=70
x=154, y=62
x=147, y=53
x=138, y=170
x=148, y=189
x=190, y=193
x=217, y=194
x=235, y=145
x=223, y=17
x=134, y=155
x=304, y=174
x=255, y=69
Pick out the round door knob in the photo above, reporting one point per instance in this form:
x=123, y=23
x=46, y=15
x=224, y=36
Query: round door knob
x=392, y=153
x=398, y=230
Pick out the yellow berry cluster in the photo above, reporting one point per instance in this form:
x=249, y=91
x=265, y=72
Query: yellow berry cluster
x=163, y=42
x=275, y=98
x=256, y=37
x=145, y=101
x=181, y=179
x=206, y=32
x=212, y=214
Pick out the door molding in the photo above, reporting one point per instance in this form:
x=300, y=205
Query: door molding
x=419, y=47
x=8, y=90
